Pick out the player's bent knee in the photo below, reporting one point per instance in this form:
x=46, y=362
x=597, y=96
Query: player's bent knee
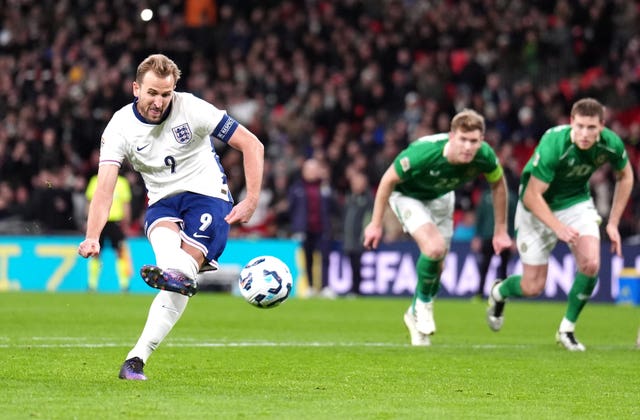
x=436, y=253
x=590, y=269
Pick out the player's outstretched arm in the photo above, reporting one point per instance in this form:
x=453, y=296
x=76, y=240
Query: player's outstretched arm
x=621, y=194
x=373, y=231
x=253, y=162
x=99, y=210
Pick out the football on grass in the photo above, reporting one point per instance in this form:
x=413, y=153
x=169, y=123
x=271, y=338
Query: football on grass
x=265, y=281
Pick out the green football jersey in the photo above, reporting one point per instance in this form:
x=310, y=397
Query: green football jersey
x=567, y=169
x=426, y=173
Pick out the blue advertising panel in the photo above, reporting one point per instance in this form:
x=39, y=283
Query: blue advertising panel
x=32, y=263
x=52, y=264
x=391, y=271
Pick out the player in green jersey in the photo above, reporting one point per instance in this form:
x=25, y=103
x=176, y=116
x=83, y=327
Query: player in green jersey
x=555, y=203
x=419, y=185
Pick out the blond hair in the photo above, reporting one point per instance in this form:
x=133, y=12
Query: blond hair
x=161, y=65
x=467, y=120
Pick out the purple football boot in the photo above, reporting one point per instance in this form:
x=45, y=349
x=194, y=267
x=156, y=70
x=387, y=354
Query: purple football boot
x=171, y=280
x=131, y=370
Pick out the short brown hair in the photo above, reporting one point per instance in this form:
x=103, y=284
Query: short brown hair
x=161, y=65
x=468, y=120
x=588, y=107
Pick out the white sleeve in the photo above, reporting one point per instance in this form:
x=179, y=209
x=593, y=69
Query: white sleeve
x=112, y=144
x=213, y=121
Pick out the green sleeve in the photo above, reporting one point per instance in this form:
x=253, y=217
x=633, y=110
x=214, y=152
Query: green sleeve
x=621, y=158
x=544, y=161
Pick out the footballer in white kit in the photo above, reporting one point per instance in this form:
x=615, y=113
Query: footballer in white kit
x=167, y=137
x=176, y=156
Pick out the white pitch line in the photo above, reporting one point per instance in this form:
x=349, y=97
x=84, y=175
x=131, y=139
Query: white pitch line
x=5, y=344
x=198, y=344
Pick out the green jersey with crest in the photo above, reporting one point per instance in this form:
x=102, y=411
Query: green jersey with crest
x=567, y=169
x=426, y=174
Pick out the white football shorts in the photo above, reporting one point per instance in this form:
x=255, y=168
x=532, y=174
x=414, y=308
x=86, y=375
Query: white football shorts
x=413, y=213
x=536, y=240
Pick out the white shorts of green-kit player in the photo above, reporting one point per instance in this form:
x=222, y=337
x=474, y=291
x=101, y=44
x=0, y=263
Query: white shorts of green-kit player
x=536, y=240
x=413, y=213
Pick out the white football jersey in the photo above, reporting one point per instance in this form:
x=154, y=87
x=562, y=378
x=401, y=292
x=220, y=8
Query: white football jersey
x=175, y=155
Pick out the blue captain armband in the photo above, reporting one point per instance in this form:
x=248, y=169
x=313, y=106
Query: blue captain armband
x=225, y=129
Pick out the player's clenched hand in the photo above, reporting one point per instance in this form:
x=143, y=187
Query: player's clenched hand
x=567, y=234
x=89, y=248
x=501, y=242
x=372, y=236
x=614, y=237
x=241, y=213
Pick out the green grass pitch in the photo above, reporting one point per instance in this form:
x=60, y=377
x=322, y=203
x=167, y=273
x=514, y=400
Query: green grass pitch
x=312, y=359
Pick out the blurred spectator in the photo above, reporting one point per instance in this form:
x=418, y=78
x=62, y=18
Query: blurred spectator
x=357, y=214
x=51, y=205
x=482, y=244
x=7, y=198
x=465, y=228
x=310, y=207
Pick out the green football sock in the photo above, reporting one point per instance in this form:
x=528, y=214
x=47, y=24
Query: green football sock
x=510, y=287
x=579, y=294
x=428, y=278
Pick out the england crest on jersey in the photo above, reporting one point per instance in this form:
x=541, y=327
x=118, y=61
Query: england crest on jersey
x=182, y=133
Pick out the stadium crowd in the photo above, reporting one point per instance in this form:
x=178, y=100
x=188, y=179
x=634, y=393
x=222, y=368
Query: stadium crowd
x=348, y=83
